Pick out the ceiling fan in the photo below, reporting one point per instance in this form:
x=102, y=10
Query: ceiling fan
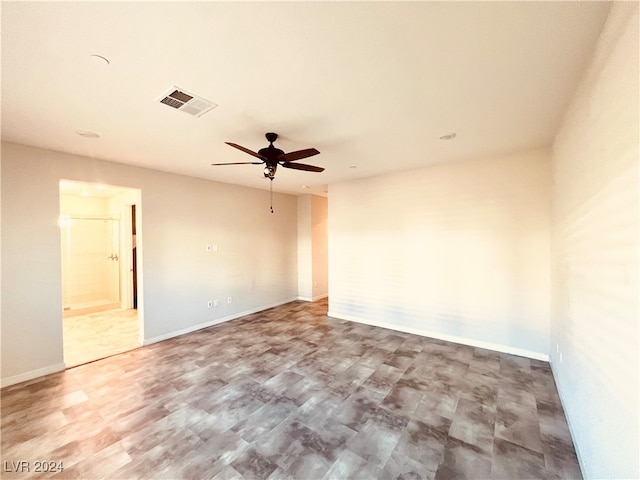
x=271, y=157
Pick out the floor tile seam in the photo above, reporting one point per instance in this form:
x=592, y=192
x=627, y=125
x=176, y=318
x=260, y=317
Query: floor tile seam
x=23, y=450
x=416, y=458
x=517, y=446
x=501, y=436
x=24, y=418
x=551, y=459
x=485, y=451
x=363, y=460
x=120, y=415
x=315, y=430
x=53, y=455
x=31, y=435
x=143, y=455
x=31, y=395
x=132, y=415
x=186, y=425
x=550, y=438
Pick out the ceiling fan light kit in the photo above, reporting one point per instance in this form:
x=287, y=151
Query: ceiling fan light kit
x=271, y=157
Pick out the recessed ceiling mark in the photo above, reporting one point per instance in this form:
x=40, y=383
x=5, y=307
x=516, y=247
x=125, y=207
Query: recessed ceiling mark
x=448, y=136
x=101, y=58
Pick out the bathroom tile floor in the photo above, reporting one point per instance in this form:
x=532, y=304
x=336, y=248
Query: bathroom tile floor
x=100, y=334
x=292, y=393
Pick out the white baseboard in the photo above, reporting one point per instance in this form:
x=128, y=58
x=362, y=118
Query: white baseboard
x=496, y=347
x=184, y=331
x=24, y=377
x=313, y=299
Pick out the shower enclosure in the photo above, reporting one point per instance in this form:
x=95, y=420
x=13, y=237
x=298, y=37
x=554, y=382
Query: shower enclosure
x=90, y=263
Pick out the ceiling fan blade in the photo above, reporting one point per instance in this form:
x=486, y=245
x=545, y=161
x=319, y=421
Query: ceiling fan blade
x=239, y=163
x=298, y=154
x=303, y=166
x=246, y=150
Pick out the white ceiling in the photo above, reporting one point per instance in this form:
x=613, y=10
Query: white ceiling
x=369, y=84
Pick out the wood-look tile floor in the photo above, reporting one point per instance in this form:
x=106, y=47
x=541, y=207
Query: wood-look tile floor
x=99, y=335
x=292, y=393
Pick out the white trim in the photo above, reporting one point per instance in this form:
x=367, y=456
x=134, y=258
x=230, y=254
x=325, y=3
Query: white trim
x=184, y=331
x=449, y=338
x=41, y=372
x=313, y=299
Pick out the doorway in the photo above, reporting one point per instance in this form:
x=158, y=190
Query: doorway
x=99, y=271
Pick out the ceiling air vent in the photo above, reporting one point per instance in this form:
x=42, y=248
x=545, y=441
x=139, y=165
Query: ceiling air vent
x=185, y=102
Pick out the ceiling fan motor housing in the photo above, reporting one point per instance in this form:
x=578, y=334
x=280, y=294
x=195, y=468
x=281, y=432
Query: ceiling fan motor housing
x=271, y=155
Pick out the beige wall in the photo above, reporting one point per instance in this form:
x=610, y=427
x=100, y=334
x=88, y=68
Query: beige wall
x=312, y=247
x=255, y=263
x=595, y=287
x=319, y=253
x=458, y=251
x=305, y=248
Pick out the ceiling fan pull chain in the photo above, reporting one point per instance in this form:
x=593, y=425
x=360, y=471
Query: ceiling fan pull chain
x=271, y=194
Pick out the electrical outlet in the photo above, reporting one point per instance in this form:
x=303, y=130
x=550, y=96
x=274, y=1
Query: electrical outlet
x=209, y=304
x=215, y=302
x=229, y=299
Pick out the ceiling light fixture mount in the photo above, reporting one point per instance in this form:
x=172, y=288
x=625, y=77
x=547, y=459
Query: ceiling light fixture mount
x=87, y=134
